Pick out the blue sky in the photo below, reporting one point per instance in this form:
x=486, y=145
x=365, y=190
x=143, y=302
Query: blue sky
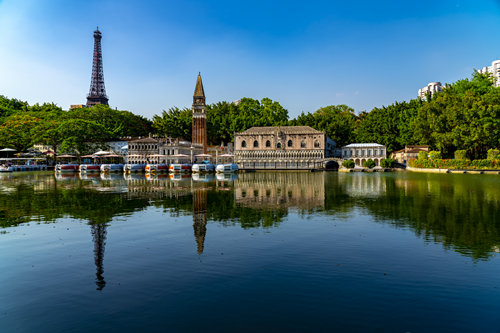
x=304, y=54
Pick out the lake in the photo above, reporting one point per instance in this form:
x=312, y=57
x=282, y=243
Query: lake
x=266, y=252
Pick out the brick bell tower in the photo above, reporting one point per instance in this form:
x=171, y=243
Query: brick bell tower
x=199, y=115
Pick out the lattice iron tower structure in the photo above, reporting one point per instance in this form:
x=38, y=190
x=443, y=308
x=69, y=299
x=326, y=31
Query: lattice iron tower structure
x=199, y=115
x=97, y=93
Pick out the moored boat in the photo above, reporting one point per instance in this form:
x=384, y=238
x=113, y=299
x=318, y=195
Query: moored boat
x=89, y=168
x=134, y=167
x=111, y=168
x=203, y=167
x=179, y=168
x=156, y=168
x=67, y=167
x=226, y=168
x=6, y=168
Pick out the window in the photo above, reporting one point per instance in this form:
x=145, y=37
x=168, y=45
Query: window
x=256, y=144
x=290, y=143
x=278, y=145
x=316, y=144
x=302, y=144
x=268, y=144
x=243, y=144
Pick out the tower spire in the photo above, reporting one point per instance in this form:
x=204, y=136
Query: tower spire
x=198, y=90
x=199, y=115
x=97, y=93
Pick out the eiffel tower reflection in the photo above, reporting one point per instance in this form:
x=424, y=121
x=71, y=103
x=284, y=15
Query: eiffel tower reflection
x=99, y=237
x=200, y=217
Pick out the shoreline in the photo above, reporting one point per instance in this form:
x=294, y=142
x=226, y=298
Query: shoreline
x=458, y=171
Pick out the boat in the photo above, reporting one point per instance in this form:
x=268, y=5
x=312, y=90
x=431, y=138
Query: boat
x=111, y=168
x=203, y=177
x=133, y=167
x=156, y=168
x=203, y=167
x=226, y=168
x=6, y=168
x=89, y=168
x=70, y=167
x=179, y=168
x=227, y=176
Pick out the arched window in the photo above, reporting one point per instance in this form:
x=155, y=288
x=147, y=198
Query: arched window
x=256, y=144
x=278, y=145
x=302, y=144
x=268, y=144
x=243, y=144
x=290, y=143
x=316, y=144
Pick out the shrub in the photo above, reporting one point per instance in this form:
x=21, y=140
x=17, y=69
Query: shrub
x=460, y=155
x=349, y=164
x=387, y=163
x=422, y=155
x=369, y=163
x=493, y=154
x=435, y=155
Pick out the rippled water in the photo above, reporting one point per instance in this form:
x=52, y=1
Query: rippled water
x=292, y=252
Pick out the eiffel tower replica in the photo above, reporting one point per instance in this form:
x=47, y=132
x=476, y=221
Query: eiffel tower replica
x=97, y=93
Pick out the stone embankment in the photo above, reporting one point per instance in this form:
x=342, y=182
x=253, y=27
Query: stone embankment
x=470, y=171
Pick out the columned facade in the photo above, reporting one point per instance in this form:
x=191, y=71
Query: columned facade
x=284, y=147
x=361, y=152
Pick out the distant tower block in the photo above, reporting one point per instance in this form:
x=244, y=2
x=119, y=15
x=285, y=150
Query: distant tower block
x=199, y=116
x=97, y=93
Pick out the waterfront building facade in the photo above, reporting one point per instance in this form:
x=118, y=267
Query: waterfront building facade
x=408, y=153
x=361, y=152
x=494, y=69
x=161, y=150
x=431, y=88
x=282, y=147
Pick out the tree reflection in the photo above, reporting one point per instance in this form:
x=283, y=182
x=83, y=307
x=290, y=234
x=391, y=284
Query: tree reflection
x=459, y=211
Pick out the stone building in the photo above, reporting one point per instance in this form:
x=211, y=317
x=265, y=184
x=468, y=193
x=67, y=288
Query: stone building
x=161, y=150
x=360, y=152
x=282, y=147
x=409, y=152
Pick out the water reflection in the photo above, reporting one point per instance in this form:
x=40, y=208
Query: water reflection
x=200, y=217
x=99, y=237
x=459, y=211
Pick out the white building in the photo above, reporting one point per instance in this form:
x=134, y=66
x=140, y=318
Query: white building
x=431, y=88
x=493, y=69
x=360, y=152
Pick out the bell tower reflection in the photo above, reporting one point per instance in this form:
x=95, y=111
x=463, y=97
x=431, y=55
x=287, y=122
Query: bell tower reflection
x=99, y=237
x=200, y=217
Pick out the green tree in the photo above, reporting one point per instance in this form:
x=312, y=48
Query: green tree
x=81, y=136
x=175, y=123
x=337, y=121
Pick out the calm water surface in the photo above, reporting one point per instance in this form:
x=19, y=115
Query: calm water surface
x=289, y=252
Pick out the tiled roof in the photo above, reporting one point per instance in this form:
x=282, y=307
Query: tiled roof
x=363, y=145
x=282, y=129
x=198, y=90
x=145, y=140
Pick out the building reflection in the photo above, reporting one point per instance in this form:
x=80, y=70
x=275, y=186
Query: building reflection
x=99, y=237
x=289, y=189
x=363, y=185
x=200, y=217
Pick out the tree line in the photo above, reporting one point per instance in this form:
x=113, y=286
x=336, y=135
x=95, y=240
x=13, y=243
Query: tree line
x=464, y=116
